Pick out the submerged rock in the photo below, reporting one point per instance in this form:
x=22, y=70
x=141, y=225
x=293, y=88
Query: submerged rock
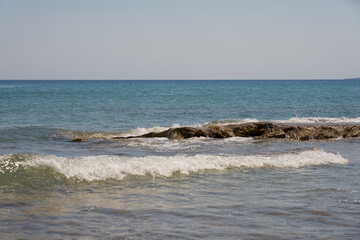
x=260, y=130
x=76, y=140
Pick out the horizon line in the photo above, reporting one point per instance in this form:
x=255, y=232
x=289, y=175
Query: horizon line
x=195, y=79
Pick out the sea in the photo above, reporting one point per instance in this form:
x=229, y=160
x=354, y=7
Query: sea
x=157, y=188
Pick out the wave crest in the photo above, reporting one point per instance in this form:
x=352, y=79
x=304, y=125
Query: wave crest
x=294, y=120
x=116, y=167
x=320, y=120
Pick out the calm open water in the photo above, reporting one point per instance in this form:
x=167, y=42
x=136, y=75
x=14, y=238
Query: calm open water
x=51, y=188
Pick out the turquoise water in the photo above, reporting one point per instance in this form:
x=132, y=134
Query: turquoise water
x=160, y=188
x=122, y=105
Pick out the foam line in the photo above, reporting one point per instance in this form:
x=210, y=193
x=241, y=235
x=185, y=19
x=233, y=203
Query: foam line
x=104, y=167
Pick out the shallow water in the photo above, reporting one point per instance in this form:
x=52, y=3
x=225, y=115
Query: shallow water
x=160, y=188
x=312, y=202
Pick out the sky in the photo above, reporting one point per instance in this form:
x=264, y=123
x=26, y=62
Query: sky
x=179, y=39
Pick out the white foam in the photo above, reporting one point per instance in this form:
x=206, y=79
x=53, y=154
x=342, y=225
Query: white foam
x=226, y=122
x=165, y=144
x=88, y=135
x=320, y=120
x=291, y=120
x=109, y=135
x=7, y=165
x=104, y=167
x=140, y=131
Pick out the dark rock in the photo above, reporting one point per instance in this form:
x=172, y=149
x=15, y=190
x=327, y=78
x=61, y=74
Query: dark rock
x=154, y=134
x=186, y=132
x=253, y=129
x=261, y=130
x=76, y=140
x=218, y=132
x=147, y=135
x=117, y=138
x=351, y=131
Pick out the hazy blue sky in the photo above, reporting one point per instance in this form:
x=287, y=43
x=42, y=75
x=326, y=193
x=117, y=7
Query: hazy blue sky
x=183, y=39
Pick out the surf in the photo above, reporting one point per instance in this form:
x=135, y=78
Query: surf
x=103, y=167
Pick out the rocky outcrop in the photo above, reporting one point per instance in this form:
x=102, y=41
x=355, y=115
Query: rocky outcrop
x=148, y=135
x=186, y=132
x=260, y=130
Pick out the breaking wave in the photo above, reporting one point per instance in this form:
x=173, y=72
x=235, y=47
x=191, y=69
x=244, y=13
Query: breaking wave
x=109, y=135
x=320, y=120
x=104, y=167
x=294, y=120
